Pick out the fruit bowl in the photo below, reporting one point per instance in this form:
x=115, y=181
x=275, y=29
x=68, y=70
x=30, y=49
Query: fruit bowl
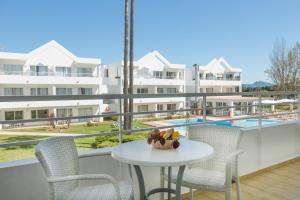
x=163, y=139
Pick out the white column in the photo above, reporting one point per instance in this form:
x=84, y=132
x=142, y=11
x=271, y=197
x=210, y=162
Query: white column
x=231, y=110
x=53, y=90
x=272, y=108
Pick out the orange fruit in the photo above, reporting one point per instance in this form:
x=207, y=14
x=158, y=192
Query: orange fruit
x=162, y=133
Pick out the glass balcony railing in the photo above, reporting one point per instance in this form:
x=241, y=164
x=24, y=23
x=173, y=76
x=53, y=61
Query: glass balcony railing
x=45, y=73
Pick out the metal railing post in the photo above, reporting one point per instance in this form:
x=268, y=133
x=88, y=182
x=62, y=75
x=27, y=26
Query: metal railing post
x=299, y=108
x=259, y=136
x=204, y=107
x=120, y=121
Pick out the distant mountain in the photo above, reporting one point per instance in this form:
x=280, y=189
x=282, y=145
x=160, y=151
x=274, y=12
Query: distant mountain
x=258, y=84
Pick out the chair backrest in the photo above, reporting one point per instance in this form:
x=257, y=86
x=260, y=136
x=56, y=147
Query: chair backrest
x=224, y=140
x=58, y=157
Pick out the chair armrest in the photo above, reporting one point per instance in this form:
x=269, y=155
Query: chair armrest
x=229, y=159
x=88, y=177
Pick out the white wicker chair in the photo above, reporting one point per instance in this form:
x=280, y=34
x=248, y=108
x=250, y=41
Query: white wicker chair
x=59, y=159
x=218, y=173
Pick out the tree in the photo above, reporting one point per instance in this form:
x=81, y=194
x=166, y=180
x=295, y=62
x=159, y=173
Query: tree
x=285, y=65
x=125, y=68
x=131, y=57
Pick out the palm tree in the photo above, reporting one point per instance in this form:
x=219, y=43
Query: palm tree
x=125, y=72
x=131, y=55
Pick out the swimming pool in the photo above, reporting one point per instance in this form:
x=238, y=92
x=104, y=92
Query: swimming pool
x=236, y=123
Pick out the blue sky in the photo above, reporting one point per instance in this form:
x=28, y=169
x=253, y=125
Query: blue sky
x=184, y=31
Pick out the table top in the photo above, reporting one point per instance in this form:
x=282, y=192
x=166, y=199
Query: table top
x=140, y=153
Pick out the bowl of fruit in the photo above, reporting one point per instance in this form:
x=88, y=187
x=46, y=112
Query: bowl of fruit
x=166, y=139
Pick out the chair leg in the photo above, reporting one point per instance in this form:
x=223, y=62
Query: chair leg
x=191, y=194
x=228, y=194
x=238, y=192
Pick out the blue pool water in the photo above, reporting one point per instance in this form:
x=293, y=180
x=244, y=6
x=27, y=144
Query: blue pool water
x=237, y=123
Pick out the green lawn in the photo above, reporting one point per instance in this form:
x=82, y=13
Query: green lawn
x=27, y=151
x=81, y=128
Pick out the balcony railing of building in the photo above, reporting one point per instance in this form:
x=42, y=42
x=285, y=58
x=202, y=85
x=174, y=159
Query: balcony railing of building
x=203, y=108
x=168, y=77
x=46, y=73
x=221, y=78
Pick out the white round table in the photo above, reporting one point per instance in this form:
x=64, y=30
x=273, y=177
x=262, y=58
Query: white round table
x=139, y=153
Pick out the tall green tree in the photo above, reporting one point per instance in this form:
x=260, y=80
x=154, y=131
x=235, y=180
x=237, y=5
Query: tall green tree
x=285, y=65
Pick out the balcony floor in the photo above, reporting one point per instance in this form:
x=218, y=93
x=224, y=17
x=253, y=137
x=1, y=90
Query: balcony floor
x=281, y=183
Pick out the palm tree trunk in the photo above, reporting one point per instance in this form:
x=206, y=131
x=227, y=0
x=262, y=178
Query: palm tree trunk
x=125, y=69
x=131, y=57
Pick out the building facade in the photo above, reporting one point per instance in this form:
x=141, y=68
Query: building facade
x=48, y=70
x=218, y=76
x=153, y=74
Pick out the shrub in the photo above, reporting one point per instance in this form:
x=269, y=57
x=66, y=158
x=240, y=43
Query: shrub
x=115, y=118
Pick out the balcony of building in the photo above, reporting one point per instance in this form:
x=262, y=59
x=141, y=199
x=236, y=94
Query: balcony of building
x=268, y=168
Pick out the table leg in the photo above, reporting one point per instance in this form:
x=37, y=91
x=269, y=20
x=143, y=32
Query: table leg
x=162, y=181
x=141, y=182
x=169, y=181
x=179, y=182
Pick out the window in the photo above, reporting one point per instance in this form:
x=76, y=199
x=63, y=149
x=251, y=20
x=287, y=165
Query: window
x=157, y=74
x=229, y=90
x=13, y=115
x=160, y=90
x=85, y=91
x=172, y=90
x=106, y=73
x=63, y=71
x=229, y=76
x=171, y=107
x=39, y=114
x=84, y=72
x=63, y=91
x=39, y=70
x=159, y=107
x=39, y=91
x=64, y=112
x=85, y=112
x=13, y=91
x=142, y=108
x=209, y=76
x=209, y=90
x=237, y=89
x=171, y=75
x=220, y=76
x=201, y=90
x=142, y=90
x=201, y=76
x=9, y=69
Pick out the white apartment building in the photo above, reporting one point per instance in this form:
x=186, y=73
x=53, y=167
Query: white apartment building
x=153, y=74
x=218, y=76
x=48, y=70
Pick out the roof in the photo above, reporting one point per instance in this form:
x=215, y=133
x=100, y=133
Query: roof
x=157, y=61
x=219, y=65
x=51, y=44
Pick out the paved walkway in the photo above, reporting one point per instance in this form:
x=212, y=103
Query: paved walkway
x=37, y=133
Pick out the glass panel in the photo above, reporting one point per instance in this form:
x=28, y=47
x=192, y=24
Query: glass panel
x=18, y=115
x=85, y=91
x=63, y=91
x=159, y=107
x=33, y=114
x=160, y=90
x=84, y=72
x=10, y=115
x=10, y=69
x=143, y=108
x=63, y=71
x=13, y=91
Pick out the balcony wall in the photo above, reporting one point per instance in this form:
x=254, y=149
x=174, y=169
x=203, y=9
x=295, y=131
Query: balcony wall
x=47, y=104
x=160, y=100
x=157, y=81
x=24, y=180
x=219, y=82
x=48, y=80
